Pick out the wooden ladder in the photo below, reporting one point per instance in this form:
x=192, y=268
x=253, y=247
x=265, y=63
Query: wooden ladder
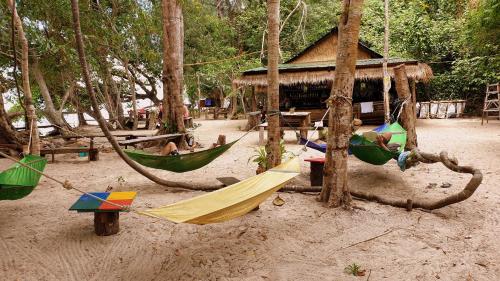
x=491, y=101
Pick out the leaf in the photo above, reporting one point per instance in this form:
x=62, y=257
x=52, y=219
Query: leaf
x=278, y=201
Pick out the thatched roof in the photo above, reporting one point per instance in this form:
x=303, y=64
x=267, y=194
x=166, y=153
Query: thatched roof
x=333, y=35
x=320, y=72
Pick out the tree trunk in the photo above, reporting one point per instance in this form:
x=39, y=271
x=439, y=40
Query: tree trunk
x=28, y=99
x=53, y=115
x=173, y=80
x=274, y=137
x=130, y=77
x=7, y=131
x=102, y=123
x=413, y=87
x=81, y=119
x=407, y=113
x=335, y=189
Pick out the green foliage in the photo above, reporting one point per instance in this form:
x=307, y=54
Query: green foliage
x=459, y=39
x=260, y=155
x=354, y=269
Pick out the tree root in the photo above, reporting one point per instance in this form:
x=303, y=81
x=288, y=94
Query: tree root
x=415, y=158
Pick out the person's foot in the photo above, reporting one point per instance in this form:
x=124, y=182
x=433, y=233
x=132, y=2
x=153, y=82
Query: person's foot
x=175, y=152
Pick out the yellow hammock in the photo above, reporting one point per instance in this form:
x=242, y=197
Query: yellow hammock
x=229, y=202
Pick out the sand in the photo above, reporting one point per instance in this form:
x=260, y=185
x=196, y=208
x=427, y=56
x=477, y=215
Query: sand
x=301, y=240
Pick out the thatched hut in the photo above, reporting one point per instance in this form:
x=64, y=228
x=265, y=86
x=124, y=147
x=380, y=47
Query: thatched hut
x=306, y=79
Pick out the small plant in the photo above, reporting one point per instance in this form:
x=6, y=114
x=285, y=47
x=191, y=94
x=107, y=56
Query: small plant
x=354, y=269
x=260, y=157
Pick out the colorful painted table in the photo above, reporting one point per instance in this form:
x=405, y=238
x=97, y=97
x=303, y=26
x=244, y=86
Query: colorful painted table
x=316, y=175
x=106, y=216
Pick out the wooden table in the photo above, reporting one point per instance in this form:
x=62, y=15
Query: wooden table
x=290, y=121
x=106, y=216
x=316, y=175
x=145, y=139
x=300, y=120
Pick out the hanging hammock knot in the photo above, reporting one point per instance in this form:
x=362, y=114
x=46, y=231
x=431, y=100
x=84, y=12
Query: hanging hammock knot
x=67, y=185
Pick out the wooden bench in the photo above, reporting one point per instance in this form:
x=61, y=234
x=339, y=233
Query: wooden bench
x=133, y=142
x=106, y=216
x=316, y=175
x=93, y=153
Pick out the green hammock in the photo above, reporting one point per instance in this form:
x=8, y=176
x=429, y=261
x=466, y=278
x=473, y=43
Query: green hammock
x=371, y=152
x=178, y=163
x=18, y=181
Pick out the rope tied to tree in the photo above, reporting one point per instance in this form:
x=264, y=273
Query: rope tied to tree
x=336, y=98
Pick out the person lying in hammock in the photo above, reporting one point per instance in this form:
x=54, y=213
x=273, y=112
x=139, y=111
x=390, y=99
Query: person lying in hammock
x=171, y=148
x=383, y=139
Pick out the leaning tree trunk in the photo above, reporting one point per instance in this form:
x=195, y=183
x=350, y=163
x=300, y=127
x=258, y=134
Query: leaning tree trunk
x=28, y=99
x=335, y=189
x=407, y=113
x=133, y=94
x=7, y=131
x=273, y=142
x=102, y=123
x=53, y=115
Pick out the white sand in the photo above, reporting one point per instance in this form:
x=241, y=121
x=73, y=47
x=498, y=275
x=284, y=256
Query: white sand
x=302, y=240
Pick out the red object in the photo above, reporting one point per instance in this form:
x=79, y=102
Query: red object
x=109, y=207
x=316, y=160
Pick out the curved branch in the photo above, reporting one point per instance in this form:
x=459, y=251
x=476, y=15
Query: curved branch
x=100, y=119
x=428, y=158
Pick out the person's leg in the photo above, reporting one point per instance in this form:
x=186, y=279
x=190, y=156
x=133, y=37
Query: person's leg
x=169, y=148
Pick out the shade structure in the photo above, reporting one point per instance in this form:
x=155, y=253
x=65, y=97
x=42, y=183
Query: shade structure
x=18, y=181
x=178, y=163
x=229, y=202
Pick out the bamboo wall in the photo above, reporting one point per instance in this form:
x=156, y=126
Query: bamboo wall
x=326, y=50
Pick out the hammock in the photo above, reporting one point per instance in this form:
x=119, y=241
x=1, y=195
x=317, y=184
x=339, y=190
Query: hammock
x=229, y=202
x=313, y=145
x=371, y=152
x=178, y=163
x=18, y=181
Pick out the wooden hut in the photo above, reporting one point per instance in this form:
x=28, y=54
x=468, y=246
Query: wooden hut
x=306, y=79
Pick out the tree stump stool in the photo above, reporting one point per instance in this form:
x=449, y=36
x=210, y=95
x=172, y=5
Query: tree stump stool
x=316, y=175
x=106, y=223
x=106, y=215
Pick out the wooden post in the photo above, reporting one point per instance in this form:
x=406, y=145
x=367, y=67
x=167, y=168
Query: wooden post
x=407, y=114
x=106, y=223
x=261, y=135
x=91, y=149
x=387, y=78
